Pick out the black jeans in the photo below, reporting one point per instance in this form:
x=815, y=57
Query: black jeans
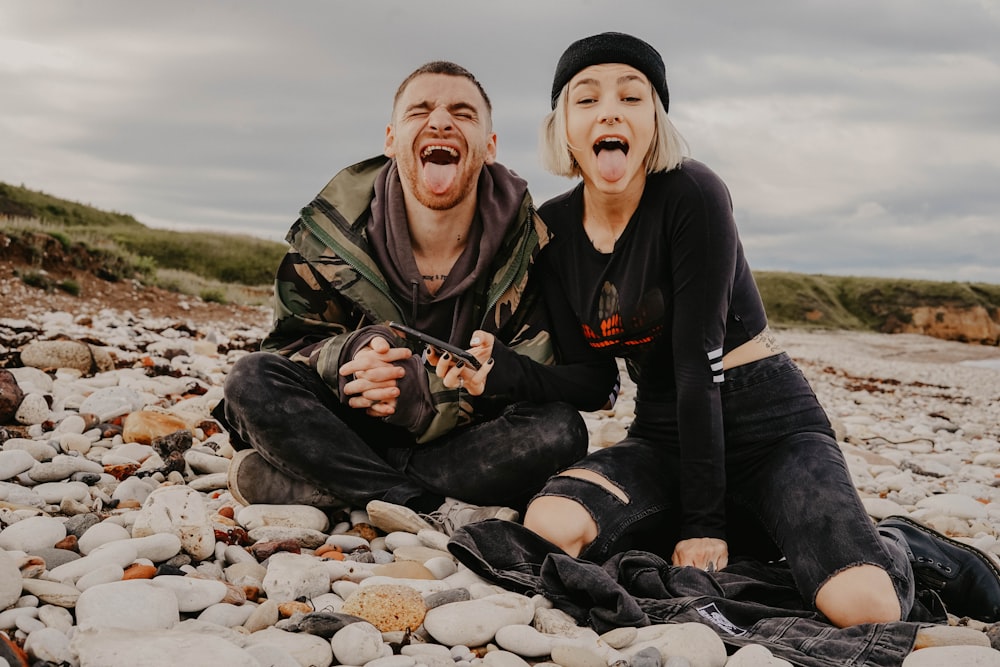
x=789, y=493
x=287, y=413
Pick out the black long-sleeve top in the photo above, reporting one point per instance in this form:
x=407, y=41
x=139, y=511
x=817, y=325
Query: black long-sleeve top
x=672, y=298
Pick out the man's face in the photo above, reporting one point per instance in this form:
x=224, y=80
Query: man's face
x=441, y=136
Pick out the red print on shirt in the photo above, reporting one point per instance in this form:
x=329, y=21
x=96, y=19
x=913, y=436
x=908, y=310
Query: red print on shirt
x=610, y=330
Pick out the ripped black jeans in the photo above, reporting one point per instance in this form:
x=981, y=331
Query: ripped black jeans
x=788, y=489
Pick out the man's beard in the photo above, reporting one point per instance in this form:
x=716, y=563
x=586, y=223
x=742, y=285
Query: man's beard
x=465, y=184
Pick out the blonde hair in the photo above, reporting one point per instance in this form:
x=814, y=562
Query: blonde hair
x=666, y=152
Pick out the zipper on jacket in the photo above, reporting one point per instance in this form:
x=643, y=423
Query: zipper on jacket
x=413, y=300
x=509, y=280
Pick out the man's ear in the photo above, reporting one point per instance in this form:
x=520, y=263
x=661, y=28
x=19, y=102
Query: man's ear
x=491, y=149
x=390, y=139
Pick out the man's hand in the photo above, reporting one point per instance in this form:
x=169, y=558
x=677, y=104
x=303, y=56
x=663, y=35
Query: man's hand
x=456, y=373
x=706, y=553
x=374, y=387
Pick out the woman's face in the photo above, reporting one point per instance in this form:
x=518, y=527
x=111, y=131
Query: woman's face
x=610, y=125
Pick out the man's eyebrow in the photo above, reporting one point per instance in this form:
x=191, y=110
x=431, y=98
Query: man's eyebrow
x=453, y=107
x=463, y=106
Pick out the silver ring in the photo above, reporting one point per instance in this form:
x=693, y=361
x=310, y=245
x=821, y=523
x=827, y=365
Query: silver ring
x=461, y=383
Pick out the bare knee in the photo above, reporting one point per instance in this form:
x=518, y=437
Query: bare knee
x=860, y=594
x=563, y=521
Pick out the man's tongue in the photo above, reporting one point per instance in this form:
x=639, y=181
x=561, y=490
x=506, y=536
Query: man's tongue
x=611, y=163
x=439, y=177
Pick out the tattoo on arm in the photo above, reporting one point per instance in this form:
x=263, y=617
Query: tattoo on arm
x=767, y=339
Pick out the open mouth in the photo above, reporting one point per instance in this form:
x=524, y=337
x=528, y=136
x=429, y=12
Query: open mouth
x=440, y=167
x=610, y=144
x=439, y=155
x=611, y=155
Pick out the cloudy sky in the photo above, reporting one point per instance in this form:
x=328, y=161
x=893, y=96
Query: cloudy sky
x=857, y=137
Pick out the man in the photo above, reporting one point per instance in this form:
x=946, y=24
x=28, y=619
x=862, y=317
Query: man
x=337, y=410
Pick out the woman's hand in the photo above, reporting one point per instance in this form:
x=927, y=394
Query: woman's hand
x=456, y=373
x=705, y=553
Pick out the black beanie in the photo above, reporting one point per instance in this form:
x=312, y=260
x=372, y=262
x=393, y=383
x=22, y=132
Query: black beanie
x=612, y=47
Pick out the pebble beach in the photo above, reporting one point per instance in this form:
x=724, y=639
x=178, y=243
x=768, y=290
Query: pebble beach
x=120, y=544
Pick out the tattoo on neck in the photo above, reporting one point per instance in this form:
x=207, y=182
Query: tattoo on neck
x=436, y=276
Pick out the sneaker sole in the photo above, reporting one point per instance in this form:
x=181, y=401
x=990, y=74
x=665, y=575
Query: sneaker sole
x=234, y=465
x=391, y=518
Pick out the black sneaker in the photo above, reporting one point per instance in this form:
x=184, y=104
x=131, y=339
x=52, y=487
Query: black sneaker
x=965, y=579
x=254, y=481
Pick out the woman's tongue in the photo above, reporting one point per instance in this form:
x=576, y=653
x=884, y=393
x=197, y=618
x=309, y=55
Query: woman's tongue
x=611, y=163
x=439, y=177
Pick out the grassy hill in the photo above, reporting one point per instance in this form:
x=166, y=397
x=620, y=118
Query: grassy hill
x=225, y=258
x=206, y=263
x=876, y=304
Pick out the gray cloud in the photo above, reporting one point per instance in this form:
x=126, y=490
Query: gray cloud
x=856, y=137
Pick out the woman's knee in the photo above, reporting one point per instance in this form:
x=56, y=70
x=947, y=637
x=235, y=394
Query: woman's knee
x=859, y=594
x=562, y=521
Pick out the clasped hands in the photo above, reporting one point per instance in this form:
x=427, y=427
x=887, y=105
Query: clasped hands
x=374, y=386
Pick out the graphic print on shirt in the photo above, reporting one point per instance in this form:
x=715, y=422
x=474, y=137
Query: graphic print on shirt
x=612, y=328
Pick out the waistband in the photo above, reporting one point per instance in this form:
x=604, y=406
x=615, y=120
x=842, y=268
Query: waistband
x=740, y=377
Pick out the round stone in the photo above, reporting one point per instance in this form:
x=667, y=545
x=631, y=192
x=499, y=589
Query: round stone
x=389, y=607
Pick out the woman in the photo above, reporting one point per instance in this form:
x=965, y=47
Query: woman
x=730, y=454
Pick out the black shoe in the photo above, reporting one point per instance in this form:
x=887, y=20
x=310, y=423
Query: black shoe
x=966, y=580
x=254, y=481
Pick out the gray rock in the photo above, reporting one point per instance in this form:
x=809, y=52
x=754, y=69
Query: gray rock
x=651, y=657
x=55, y=557
x=433, y=600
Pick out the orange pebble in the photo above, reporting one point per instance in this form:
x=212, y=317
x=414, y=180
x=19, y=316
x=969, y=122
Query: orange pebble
x=326, y=548
x=139, y=571
x=227, y=511
x=287, y=609
x=68, y=543
x=332, y=555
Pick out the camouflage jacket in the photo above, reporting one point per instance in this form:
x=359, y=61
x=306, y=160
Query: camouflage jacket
x=329, y=290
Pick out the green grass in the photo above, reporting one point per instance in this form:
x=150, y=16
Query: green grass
x=850, y=302
x=226, y=258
